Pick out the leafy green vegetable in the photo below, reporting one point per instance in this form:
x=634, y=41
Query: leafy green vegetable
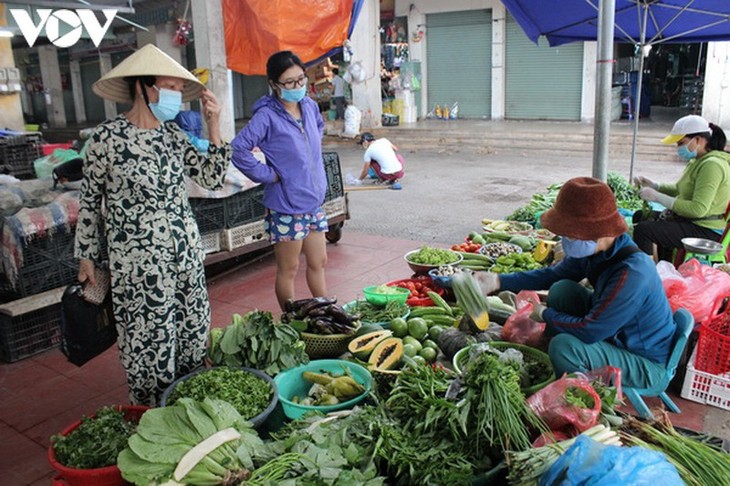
x=627, y=195
x=255, y=341
x=248, y=393
x=164, y=435
x=368, y=312
x=428, y=255
x=386, y=290
x=96, y=442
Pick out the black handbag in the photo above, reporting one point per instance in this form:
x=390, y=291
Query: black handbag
x=87, y=329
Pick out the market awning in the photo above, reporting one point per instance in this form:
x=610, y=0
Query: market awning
x=312, y=29
x=639, y=22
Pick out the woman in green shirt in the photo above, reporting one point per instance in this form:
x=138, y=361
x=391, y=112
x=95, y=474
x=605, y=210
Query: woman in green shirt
x=697, y=201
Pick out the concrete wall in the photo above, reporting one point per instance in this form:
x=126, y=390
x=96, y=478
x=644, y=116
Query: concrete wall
x=716, y=97
x=11, y=110
x=365, y=43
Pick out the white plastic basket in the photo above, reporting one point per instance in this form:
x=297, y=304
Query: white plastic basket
x=243, y=235
x=706, y=388
x=211, y=242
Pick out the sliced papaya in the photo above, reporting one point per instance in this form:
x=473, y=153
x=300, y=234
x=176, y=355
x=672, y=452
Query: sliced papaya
x=543, y=250
x=387, y=354
x=362, y=346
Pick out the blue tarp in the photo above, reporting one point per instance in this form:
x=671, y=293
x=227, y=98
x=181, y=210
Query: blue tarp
x=677, y=21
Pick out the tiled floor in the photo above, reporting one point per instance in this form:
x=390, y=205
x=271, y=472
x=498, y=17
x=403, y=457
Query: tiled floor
x=41, y=395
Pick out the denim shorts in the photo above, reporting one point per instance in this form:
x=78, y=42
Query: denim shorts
x=293, y=227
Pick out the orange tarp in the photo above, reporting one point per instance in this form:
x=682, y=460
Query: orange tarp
x=255, y=29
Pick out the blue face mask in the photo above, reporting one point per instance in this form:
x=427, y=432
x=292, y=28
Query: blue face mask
x=578, y=248
x=293, y=95
x=168, y=104
x=684, y=152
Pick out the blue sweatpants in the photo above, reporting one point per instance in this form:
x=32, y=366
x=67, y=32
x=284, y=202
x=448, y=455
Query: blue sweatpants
x=569, y=354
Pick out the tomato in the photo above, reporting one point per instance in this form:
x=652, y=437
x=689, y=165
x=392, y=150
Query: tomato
x=419, y=286
x=454, y=247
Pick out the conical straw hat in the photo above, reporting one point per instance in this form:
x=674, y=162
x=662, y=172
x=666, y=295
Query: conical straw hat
x=147, y=61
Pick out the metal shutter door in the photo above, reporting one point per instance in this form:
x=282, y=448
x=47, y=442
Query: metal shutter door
x=459, y=55
x=541, y=82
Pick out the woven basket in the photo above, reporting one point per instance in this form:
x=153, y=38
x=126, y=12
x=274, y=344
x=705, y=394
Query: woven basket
x=327, y=345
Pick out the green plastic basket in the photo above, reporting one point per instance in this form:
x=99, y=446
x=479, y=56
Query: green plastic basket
x=399, y=295
x=460, y=360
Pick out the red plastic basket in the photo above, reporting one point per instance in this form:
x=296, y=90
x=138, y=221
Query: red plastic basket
x=103, y=476
x=713, y=345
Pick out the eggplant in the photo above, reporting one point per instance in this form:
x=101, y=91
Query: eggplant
x=313, y=303
x=338, y=314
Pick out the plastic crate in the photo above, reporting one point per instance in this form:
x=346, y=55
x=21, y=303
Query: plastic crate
x=209, y=214
x=211, y=242
x=48, y=263
x=31, y=325
x=335, y=207
x=243, y=235
x=17, y=154
x=335, y=183
x=713, y=345
x=706, y=388
x=244, y=207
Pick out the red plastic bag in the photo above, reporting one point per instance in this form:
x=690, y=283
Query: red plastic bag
x=609, y=376
x=519, y=328
x=695, y=287
x=552, y=406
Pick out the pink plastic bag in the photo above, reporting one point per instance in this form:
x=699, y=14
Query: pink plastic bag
x=695, y=287
x=519, y=328
x=551, y=405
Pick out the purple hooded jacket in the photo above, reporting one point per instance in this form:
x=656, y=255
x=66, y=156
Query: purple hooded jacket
x=292, y=152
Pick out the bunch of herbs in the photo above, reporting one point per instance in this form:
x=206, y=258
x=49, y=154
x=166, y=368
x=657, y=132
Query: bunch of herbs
x=95, y=442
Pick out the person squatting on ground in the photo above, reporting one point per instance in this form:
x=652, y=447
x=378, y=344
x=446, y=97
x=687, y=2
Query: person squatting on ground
x=287, y=127
x=383, y=158
x=134, y=199
x=626, y=320
x=697, y=201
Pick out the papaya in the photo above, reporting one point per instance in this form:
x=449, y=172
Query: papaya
x=368, y=327
x=362, y=346
x=387, y=354
x=543, y=250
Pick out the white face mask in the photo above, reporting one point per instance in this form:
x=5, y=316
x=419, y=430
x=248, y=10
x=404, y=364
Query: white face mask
x=168, y=104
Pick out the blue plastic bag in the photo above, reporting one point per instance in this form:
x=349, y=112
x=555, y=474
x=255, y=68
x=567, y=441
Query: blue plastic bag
x=588, y=462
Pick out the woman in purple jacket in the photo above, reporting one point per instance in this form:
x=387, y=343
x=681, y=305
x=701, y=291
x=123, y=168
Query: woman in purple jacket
x=287, y=127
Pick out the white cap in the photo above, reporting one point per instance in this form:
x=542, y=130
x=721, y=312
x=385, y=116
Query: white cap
x=687, y=125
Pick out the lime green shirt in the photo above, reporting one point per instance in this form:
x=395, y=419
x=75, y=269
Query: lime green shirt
x=703, y=190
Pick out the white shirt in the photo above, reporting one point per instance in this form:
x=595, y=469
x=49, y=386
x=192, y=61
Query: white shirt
x=381, y=151
x=339, y=84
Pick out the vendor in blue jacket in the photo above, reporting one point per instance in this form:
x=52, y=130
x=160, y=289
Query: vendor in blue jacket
x=287, y=127
x=625, y=321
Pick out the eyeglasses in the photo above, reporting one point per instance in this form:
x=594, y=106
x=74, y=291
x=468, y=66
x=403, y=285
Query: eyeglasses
x=294, y=83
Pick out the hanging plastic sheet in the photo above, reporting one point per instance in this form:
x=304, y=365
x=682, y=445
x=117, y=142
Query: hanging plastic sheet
x=312, y=29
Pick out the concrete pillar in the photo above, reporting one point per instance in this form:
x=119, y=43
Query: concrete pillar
x=716, y=96
x=588, y=96
x=417, y=52
x=51, y=76
x=105, y=65
x=11, y=110
x=78, y=91
x=210, y=52
x=499, y=32
x=365, y=41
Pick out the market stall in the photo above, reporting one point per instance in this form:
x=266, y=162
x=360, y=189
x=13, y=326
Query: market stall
x=38, y=221
x=420, y=380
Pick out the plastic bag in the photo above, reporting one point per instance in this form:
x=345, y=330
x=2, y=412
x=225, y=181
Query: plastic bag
x=590, y=462
x=519, y=328
x=352, y=180
x=87, y=329
x=353, y=116
x=695, y=287
x=552, y=405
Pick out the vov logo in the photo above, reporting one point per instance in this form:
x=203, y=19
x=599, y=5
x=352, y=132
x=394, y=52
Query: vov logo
x=51, y=20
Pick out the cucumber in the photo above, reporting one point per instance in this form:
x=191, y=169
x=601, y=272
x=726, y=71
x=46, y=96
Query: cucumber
x=436, y=298
x=479, y=267
x=446, y=321
x=428, y=311
x=474, y=257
